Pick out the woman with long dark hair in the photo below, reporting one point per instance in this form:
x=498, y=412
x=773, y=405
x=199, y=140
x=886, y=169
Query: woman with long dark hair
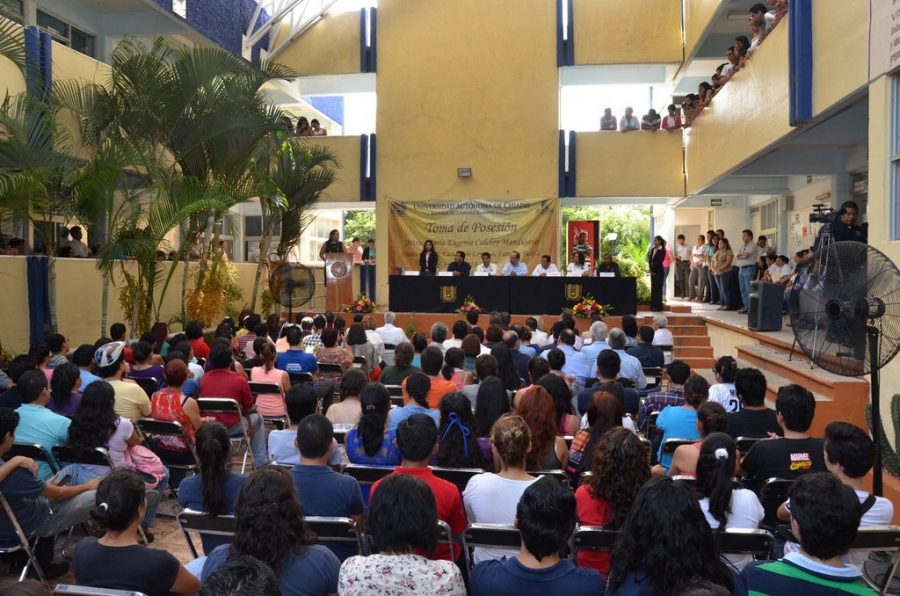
x=402, y=522
x=665, y=544
x=711, y=418
x=269, y=404
x=371, y=442
x=655, y=257
x=64, y=384
x=620, y=466
x=116, y=560
x=402, y=367
x=506, y=368
x=359, y=344
x=630, y=327
x=720, y=267
x=213, y=490
x=96, y=424
x=492, y=403
x=492, y=498
x=604, y=413
x=457, y=443
x=724, y=505
x=548, y=451
x=428, y=259
x=270, y=526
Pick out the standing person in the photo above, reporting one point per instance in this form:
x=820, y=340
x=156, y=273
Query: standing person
x=667, y=265
x=367, y=271
x=428, y=259
x=672, y=121
x=655, y=259
x=699, y=274
x=682, y=266
x=712, y=245
x=355, y=251
x=721, y=269
x=79, y=248
x=315, y=130
x=629, y=121
x=608, y=121
x=582, y=246
x=332, y=245
x=746, y=261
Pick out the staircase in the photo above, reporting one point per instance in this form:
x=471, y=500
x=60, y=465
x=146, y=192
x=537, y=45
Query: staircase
x=692, y=344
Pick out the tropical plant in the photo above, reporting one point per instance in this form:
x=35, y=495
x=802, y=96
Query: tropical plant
x=360, y=224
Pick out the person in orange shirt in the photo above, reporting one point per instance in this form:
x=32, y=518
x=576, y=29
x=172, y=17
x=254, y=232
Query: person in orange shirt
x=432, y=361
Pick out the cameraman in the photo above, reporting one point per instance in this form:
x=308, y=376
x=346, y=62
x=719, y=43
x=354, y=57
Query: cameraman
x=845, y=228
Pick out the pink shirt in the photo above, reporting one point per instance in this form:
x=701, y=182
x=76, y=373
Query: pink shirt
x=268, y=404
x=668, y=260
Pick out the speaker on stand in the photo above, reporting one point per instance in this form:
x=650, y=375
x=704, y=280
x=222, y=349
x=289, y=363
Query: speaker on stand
x=766, y=305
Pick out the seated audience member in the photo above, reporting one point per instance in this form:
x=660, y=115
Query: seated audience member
x=59, y=347
x=825, y=516
x=604, y=413
x=324, y=492
x=64, y=395
x=797, y=453
x=849, y=455
x=347, y=411
x=214, y=489
x=459, y=267
x=650, y=120
x=439, y=334
x=781, y=271
x=460, y=329
x=143, y=368
x=417, y=386
x=194, y=333
x=666, y=544
x=493, y=403
x=575, y=363
x=36, y=423
x=711, y=418
x=607, y=371
x=671, y=121
x=241, y=576
x=567, y=423
x=396, y=373
x=492, y=498
x=419, y=343
x=754, y=419
x=507, y=371
x=545, y=517
x=432, y=362
x=43, y=509
x=328, y=352
x=270, y=525
x=724, y=505
x=723, y=391
x=680, y=422
x=629, y=121
x=417, y=438
x=83, y=358
x=644, y=350
x=455, y=361
x=360, y=346
x=607, y=266
x=677, y=372
x=370, y=442
x=457, y=443
x=301, y=400
x=171, y=405
x=620, y=467
x=295, y=359
x=472, y=348
x=629, y=366
x=117, y=560
x=221, y=382
x=608, y=121
x=599, y=332
x=402, y=523
x=548, y=451
x=132, y=402
x=389, y=333
x=545, y=268
x=272, y=404
x=485, y=366
x=661, y=335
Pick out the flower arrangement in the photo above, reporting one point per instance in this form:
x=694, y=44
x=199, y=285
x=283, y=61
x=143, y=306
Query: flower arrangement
x=468, y=306
x=589, y=308
x=361, y=304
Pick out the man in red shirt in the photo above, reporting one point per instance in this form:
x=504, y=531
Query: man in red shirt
x=220, y=381
x=432, y=361
x=416, y=438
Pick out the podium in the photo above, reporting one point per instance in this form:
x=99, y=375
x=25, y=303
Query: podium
x=338, y=280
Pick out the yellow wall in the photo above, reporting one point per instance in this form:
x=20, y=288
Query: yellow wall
x=748, y=115
x=346, y=149
x=14, y=334
x=697, y=16
x=331, y=46
x=71, y=65
x=634, y=164
x=627, y=32
x=840, y=50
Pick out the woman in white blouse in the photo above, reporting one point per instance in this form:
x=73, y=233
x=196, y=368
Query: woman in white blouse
x=578, y=267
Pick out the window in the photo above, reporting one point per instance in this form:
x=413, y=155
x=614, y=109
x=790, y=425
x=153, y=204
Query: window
x=66, y=34
x=13, y=10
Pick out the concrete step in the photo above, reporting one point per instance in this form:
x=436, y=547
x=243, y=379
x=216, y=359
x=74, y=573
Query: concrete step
x=691, y=340
x=682, y=352
x=699, y=363
x=688, y=330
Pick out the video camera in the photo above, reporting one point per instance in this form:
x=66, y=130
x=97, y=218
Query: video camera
x=823, y=214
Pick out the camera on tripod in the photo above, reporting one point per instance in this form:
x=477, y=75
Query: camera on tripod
x=823, y=214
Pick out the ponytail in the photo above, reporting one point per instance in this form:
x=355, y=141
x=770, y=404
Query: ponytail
x=726, y=367
x=712, y=418
x=375, y=403
x=715, y=470
x=118, y=499
x=213, y=450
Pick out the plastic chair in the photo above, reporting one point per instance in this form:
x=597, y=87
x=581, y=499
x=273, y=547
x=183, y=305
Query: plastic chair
x=488, y=536
x=195, y=521
x=256, y=388
x=337, y=529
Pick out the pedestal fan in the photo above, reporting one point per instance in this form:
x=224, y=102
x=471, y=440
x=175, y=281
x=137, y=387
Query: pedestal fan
x=292, y=285
x=845, y=313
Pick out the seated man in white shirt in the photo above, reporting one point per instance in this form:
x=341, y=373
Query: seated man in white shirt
x=545, y=268
x=515, y=267
x=388, y=332
x=486, y=267
x=537, y=336
x=781, y=270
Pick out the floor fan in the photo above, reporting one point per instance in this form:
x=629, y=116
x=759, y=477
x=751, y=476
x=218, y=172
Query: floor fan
x=292, y=285
x=845, y=313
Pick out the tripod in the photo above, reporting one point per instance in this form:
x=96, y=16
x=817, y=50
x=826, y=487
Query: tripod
x=824, y=239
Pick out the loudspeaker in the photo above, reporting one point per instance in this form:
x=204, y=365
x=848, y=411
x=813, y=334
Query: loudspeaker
x=766, y=306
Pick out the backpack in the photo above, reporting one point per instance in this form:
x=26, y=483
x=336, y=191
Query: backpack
x=146, y=463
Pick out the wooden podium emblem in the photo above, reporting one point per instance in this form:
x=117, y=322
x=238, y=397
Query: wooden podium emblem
x=338, y=280
x=573, y=292
x=448, y=293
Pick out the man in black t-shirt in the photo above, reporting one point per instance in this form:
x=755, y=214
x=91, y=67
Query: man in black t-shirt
x=795, y=454
x=754, y=419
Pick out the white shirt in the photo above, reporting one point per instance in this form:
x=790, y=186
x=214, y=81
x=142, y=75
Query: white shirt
x=746, y=512
x=552, y=269
x=79, y=249
x=751, y=249
x=451, y=343
x=197, y=370
x=776, y=272
x=683, y=251
x=376, y=340
x=663, y=337
x=489, y=270
x=490, y=499
x=539, y=337
x=725, y=394
x=697, y=253
x=576, y=270
x=390, y=334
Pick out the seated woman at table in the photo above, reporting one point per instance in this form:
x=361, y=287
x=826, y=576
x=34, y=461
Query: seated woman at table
x=578, y=266
x=371, y=443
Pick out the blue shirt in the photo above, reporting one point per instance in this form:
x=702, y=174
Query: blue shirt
x=387, y=455
x=297, y=361
x=23, y=492
x=86, y=379
x=190, y=496
x=637, y=583
x=324, y=492
x=676, y=423
x=398, y=415
x=39, y=425
x=576, y=365
x=508, y=576
x=312, y=571
x=520, y=269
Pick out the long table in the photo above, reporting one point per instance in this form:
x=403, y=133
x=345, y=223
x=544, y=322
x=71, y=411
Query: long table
x=515, y=295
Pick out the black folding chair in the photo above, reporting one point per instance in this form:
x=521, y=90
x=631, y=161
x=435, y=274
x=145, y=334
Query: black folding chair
x=592, y=538
x=772, y=495
x=22, y=543
x=367, y=474
x=744, y=444
x=148, y=384
x=73, y=590
x=396, y=393
x=488, y=536
x=195, y=521
x=389, y=354
x=165, y=428
x=555, y=474
x=298, y=378
x=670, y=445
x=256, y=389
x=225, y=405
x=880, y=538
x=458, y=476
x=35, y=452
x=742, y=541
x=337, y=529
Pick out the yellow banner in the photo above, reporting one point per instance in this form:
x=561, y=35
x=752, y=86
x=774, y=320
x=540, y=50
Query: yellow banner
x=529, y=226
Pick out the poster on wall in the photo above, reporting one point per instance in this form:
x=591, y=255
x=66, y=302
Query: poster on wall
x=528, y=226
x=884, y=38
x=573, y=239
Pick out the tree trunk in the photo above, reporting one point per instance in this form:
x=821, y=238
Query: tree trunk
x=263, y=258
x=104, y=303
